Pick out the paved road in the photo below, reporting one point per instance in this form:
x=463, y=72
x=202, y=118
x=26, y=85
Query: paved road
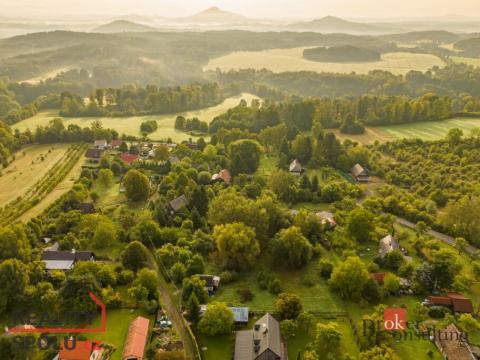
x=442, y=237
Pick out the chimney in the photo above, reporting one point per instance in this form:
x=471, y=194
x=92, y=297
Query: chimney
x=257, y=327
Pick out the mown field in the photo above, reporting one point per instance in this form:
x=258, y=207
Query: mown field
x=30, y=165
x=280, y=60
x=131, y=125
x=428, y=130
x=465, y=60
x=39, y=173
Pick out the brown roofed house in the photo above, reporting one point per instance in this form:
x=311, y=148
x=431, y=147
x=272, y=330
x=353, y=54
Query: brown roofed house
x=129, y=158
x=264, y=342
x=457, y=302
x=359, y=173
x=224, y=175
x=80, y=350
x=93, y=154
x=134, y=347
x=86, y=208
x=453, y=344
x=115, y=144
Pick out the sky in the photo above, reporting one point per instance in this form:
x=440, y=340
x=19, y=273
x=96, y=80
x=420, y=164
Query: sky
x=251, y=8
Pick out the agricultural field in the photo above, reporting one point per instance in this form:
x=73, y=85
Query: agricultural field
x=131, y=125
x=428, y=130
x=280, y=60
x=34, y=177
x=30, y=164
x=466, y=60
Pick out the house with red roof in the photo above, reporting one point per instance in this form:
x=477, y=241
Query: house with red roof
x=79, y=350
x=129, y=158
x=455, y=301
x=136, y=341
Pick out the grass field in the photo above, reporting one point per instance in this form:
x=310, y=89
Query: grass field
x=131, y=125
x=118, y=321
x=281, y=60
x=57, y=192
x=27, y=168
x=465, y=60
x=428, y=130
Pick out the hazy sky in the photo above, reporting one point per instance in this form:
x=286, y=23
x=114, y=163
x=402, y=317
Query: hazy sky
x=252, y=8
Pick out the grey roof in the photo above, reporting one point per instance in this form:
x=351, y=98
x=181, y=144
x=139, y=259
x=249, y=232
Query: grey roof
x=244, y=345
x=387, y=244
x=49, y=255
x=58, y=264
x=295, y=166
x=269, y=335
x=178, y=203
x=240, y=314
x=94, y=153
x=358, y=170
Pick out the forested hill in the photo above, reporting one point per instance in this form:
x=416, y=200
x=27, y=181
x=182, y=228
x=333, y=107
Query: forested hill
x=171, y=58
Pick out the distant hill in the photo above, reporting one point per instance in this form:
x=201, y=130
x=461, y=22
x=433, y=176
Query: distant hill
x=332, y=24
x=118, y=26
x=214, y=15
x=435, y=36
x=470, y=47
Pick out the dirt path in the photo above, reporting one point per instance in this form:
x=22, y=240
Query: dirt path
x=173, y=312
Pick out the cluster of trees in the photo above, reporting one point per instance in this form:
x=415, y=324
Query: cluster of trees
x=193, y=124
x=440, y=174
x=11, y=109
x=149, y=126
x=451, y=80
x=56, y=132
x=345, y=53
x=132, y=100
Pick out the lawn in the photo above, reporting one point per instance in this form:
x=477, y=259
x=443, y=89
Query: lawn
x=118, y=321
x=29, y=166
x=268, y=164
x=281, y=60
x=426, y=130
x=216, y=347
x=298, y=343
x=131, y=125
x=306, y=283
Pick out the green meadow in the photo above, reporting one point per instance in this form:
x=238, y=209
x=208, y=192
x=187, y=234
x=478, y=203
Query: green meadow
x=131, y=125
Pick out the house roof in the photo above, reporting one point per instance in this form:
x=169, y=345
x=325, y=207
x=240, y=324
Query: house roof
x=116, y=143
x=244, y=345
x=58, y=264
x=94, y=153
x=87, y=208
x=240, y=314
x=451, y=344
x=210, y=280
x=295, y=166
x=387, y=244
x=178, y=203
x=223, y=175
x=358, y=170
x=269, y=335
x=326, y=216
x=136, y=339
x=82, y=351
x=460, y=303
x=101, y=142
x=128, y=158
x=379, y=277
x=440, y=300
x=67, y=255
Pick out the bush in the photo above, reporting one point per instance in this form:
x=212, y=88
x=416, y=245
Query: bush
x=438, y=312
x=245, y=294
x=325, y=268
x=228, y=277
x=274, y=286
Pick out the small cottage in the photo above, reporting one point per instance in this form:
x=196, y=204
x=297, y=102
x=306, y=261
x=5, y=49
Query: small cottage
x=359, y=173
x=295, y=167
